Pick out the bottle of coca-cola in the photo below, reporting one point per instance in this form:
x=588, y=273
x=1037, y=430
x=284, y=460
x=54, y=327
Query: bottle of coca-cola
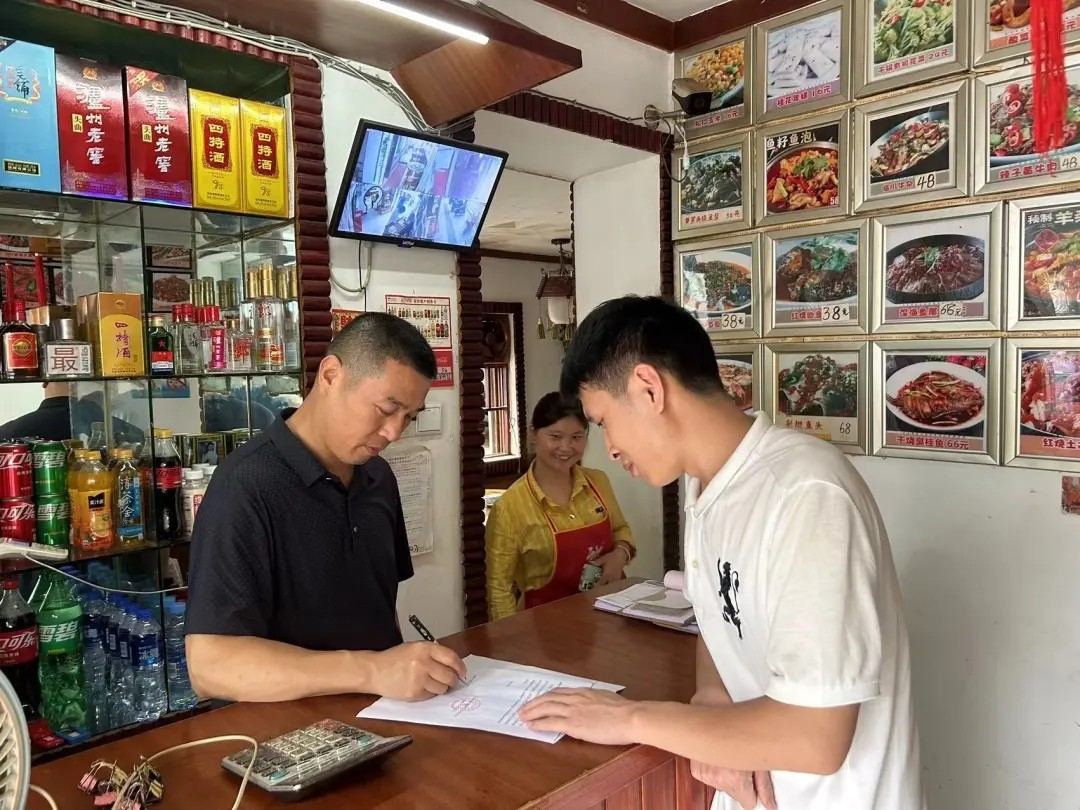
x=19, y=647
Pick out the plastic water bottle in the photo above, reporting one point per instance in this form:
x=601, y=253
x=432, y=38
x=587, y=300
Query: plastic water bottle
x=150, y=699
x=122, y=684
x=181, y=695
x=60, y=668
x=95, y=662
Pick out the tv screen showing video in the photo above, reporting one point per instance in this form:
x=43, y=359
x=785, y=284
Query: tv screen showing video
x=413, y=189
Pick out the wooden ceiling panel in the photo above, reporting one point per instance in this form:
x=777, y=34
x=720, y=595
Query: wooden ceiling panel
x=444, y=75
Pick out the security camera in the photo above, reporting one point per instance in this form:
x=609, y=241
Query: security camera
x=693, y=97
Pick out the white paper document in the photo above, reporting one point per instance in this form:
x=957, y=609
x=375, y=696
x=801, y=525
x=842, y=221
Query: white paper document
x=489, y=701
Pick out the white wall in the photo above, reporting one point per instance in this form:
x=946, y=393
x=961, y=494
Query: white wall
x=987, y=566
x=18, y=399
x=434, y=593
x=514, y=281
x=617, y=252
x=618, y=74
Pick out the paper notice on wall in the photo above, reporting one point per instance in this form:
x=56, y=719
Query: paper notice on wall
x=412, y=467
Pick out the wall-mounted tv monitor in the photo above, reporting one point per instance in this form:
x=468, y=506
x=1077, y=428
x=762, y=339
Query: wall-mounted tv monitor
x=408, y=188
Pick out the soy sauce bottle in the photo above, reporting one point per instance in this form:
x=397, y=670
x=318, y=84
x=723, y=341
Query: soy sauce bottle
x=167, y=479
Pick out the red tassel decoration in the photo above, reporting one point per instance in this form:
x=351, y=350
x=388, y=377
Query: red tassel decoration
x=1050, y=91
x=39, y=280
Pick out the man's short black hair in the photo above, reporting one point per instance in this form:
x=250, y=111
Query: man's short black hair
x=623, y=332
x=366, y=344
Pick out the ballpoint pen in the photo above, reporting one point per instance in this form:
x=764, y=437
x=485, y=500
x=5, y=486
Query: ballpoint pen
x=425, y=634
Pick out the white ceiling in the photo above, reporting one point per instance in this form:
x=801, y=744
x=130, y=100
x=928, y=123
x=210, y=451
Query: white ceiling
x=675, y=9
x=527, y=213
x=532, y=204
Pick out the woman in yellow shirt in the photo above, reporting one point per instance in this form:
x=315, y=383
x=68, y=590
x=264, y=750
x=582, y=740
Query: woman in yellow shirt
x=554, y=520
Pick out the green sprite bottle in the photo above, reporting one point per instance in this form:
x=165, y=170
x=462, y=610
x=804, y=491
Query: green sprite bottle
x=60, y=664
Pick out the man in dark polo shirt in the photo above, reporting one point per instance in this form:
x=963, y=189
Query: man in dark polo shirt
x=300, y=542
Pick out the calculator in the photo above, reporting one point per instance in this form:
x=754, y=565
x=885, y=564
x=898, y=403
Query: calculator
x=304, y=761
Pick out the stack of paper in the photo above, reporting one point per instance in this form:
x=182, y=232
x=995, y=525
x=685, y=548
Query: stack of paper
x=490, y=699
x=653, y=602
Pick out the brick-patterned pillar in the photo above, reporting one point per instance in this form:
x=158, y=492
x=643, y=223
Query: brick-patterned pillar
x=672, y=535
x=313, y=241
x=471, y=396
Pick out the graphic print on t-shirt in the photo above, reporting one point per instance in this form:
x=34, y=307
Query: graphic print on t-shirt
x=729, y=592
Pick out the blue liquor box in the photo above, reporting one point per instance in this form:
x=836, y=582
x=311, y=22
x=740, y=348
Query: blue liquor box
x=29, y=137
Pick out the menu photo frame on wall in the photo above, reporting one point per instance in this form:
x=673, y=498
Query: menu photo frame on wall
x=718, y=280
x=740, y=373
x=816, y=279
x=1042, y=398
x=937, y=270
x=1002, y=29
x=802, y=61
x=1043, y=276
x=938, y=399
x=1005, y=154
x=912, y=152
x=712, y=195
x=723, y=65
x=801, y=170
x=904, y=42
x=820, y=389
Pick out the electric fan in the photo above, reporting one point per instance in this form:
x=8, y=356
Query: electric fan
x=14, y=749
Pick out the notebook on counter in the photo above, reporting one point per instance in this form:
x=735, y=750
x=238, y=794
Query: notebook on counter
x=651, y=601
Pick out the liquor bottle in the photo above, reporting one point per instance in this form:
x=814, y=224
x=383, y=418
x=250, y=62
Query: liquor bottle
x=214, y=340
x=67, y=357
x=270, y=321
x=162, y=362
x=253, y=291
x=187, y=348
x=240, y=347
x=228, y=299
x=287, y=292
x=19, y=344
x=167, y=475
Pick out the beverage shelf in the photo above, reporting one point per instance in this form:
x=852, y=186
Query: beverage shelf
x=16, y=566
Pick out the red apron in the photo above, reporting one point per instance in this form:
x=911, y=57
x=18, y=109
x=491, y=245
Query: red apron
x=573, y=548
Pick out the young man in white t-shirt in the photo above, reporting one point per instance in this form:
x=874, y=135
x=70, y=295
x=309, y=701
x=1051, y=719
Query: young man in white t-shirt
x=803, y=697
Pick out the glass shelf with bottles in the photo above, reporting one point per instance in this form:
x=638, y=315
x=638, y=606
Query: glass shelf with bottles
x=113, y=675
x=94, y=289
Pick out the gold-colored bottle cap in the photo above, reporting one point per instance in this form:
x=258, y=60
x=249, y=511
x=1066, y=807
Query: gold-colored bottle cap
x=162, y=433
x=252, y=283
x=266, y=279
x=123, y=454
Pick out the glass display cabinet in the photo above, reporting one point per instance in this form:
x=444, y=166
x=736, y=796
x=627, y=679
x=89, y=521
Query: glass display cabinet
x=174, y=336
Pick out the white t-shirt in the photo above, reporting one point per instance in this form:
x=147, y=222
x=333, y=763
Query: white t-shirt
x=791, y=576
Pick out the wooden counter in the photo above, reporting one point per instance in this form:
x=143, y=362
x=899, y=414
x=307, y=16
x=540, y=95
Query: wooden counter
x=448, y=768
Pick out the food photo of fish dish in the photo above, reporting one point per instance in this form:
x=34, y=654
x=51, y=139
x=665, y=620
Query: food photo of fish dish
x=817, y=385
x=803, y=179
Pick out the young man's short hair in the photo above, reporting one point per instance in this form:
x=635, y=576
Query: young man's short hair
x=624, y=332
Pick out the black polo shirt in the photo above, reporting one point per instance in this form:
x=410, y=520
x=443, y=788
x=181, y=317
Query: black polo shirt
x=281, y=550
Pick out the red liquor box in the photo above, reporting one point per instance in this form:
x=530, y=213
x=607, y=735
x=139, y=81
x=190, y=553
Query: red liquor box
x=90, y=110
x=159, y=140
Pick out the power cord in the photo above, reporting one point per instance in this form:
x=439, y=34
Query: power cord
x=134, y=777
x=45, y=795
